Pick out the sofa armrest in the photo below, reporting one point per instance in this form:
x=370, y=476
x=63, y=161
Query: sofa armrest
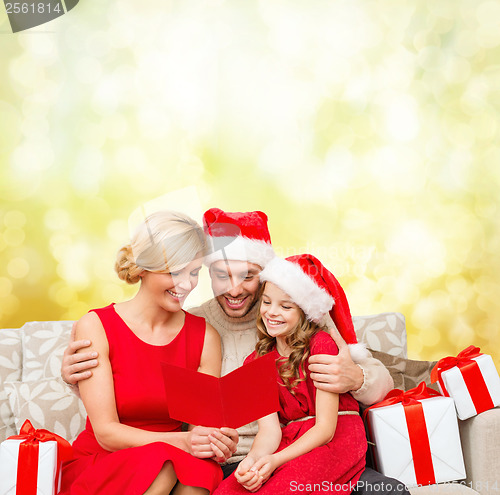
x=480, y=436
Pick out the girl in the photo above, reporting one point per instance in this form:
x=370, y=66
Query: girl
x=321, y=446
x=130, y=444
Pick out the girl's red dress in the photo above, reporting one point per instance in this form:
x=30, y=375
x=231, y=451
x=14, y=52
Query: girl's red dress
x=331, y=468
x=141, y=402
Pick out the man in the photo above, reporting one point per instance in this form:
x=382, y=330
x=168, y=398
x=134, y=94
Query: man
x=240, y=248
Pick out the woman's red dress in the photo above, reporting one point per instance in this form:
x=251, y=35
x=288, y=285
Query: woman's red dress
x=333, y=468
x=141, y=403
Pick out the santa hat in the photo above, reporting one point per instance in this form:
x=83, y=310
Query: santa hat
x=237, y=236
x=317, y=292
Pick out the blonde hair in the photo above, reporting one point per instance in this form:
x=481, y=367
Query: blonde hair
x=299, y=340
x=164, y=241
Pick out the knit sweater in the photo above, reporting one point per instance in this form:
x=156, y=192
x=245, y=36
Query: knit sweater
x=239, y=336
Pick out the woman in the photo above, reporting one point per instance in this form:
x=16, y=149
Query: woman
x=130, y=444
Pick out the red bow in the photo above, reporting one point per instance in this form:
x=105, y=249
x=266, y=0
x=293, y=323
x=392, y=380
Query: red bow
x=411, y=396
x=464, y=357
x=27, y=470
x=471, y=373
x=417, y=429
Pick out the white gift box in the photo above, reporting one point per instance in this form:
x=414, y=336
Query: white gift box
x=456, y=387
x=392, y=450
x=47, y=467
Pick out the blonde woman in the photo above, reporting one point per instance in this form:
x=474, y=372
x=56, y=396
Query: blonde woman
x=130, y=444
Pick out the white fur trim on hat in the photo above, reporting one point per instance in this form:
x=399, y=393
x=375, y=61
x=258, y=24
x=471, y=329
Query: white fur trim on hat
x=359, y=353
x=239, y=249
x=289, y=277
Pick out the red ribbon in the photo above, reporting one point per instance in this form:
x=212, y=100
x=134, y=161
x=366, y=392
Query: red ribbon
x=27, y=464
x=473, y=377
x=417, y=428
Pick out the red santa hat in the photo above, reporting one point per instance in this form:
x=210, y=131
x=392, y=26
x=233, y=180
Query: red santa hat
x=317, y=292
x=237, y=236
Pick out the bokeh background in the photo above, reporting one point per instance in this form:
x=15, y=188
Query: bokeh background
x=368, y=131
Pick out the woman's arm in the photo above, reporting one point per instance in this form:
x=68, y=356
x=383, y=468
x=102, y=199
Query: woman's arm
x=98, y=396
x=211, y=355
x=327, y=406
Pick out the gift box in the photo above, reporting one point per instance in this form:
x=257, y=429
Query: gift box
x=471, y=379
x=416, y=438
x=30, y=462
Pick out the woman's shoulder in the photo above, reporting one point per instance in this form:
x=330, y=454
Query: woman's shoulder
x=100, y=311
x=89, y=326
x=199, y=323
x=195, y=319
x=322, y=343
x=199, y=330
x=93, y=316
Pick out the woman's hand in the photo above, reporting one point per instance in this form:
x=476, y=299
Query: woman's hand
x=205, y=442
x=224, y=443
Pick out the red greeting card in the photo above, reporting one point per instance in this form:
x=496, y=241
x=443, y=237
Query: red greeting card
x=238, y=398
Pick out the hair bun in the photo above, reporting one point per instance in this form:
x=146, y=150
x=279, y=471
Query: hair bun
x=125, y=265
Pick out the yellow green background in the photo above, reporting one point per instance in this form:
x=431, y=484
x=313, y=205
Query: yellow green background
x=368, y=131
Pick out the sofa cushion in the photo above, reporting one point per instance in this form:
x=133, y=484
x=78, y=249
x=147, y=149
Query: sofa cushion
x=44, y=343
x=419, y=371
x=48, y=403
x=10, y=370
x=385, y=332
x=395, y=365
x=406, y=373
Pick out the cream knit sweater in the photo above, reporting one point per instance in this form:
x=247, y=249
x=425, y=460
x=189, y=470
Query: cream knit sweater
x=239, y=336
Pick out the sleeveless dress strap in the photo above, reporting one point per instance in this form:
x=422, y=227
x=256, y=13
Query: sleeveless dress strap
x=195, y=338
x=107, y=314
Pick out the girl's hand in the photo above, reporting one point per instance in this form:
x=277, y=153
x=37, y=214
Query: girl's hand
x=266, y=466
x=248, y=479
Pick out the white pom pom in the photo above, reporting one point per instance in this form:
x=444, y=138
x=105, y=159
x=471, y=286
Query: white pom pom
x=359, y=352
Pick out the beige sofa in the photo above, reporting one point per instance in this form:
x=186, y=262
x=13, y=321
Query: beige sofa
x=31, y=388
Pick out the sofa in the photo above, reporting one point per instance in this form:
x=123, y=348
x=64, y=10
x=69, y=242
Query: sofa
x=31, y=388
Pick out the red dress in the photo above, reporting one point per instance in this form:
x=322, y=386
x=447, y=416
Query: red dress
x=140, y=402
x=331, y=468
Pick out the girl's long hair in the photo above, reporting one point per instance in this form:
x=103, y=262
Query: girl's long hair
x=299, y=340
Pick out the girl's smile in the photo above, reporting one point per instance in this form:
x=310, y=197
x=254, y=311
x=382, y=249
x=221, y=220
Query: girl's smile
x=279, y=313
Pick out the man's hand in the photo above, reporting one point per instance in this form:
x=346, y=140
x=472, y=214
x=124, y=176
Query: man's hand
x=338, y=374
x=77, y=366
x=205, y=442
